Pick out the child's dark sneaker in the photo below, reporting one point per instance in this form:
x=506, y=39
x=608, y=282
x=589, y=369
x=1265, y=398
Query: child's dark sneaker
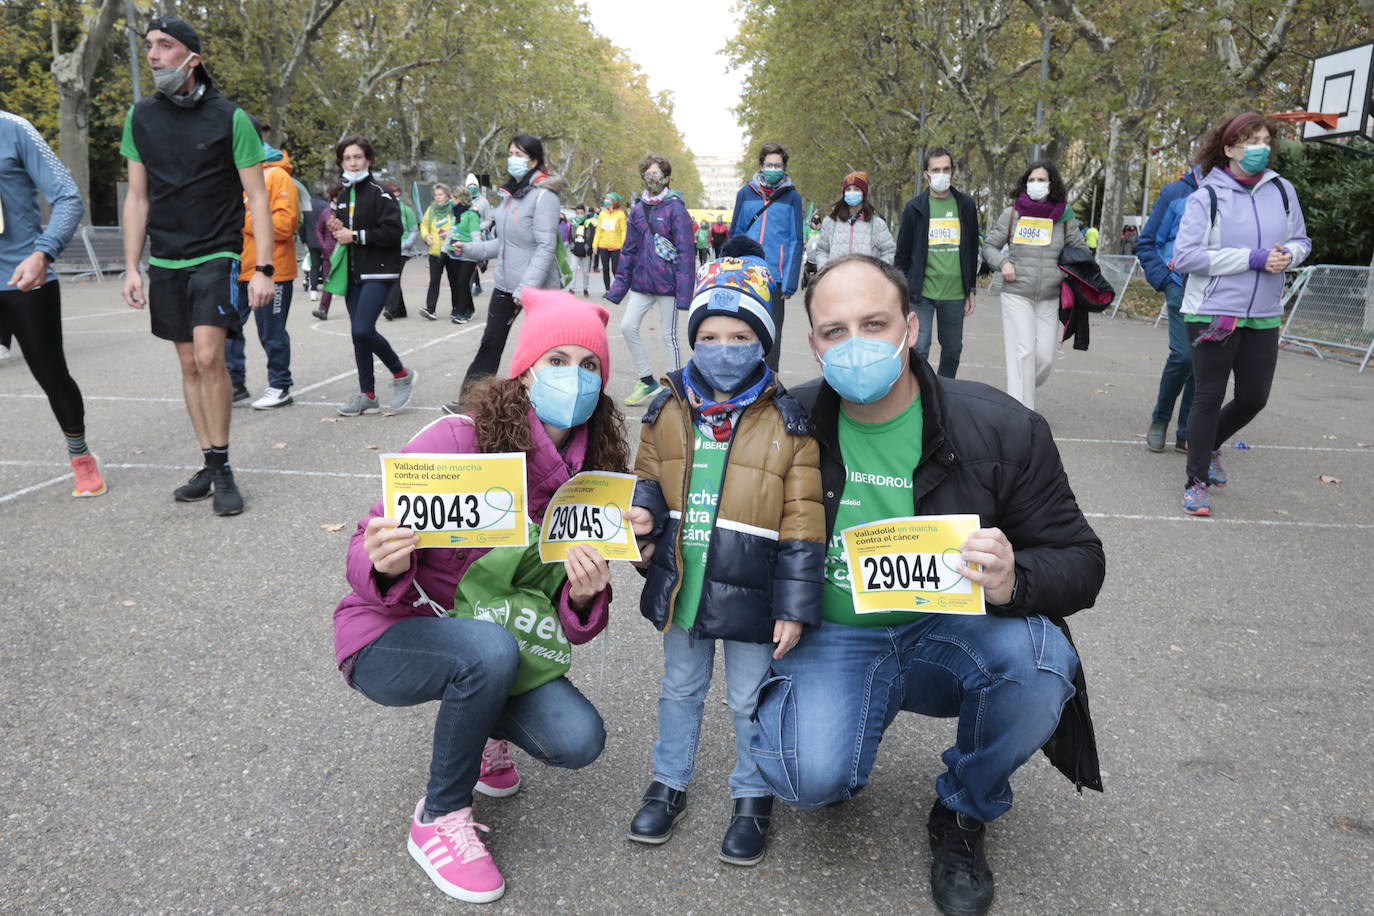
x=663, y=807
x=747, y=837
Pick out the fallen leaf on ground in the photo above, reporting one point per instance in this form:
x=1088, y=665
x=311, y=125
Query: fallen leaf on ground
x=129, y=603
x=1140, y=435
x=1329, y=437
x=332, y=527
x=371, y=448
x=279, y=445
x=138, y=451
x=1327, y=478
x=329, y=419
x=1362, y=445
x=1175, y=648
x=1100, y=391
x=388, y=413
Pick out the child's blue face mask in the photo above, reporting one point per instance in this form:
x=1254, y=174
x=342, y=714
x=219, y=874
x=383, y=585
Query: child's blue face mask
x=726, y=367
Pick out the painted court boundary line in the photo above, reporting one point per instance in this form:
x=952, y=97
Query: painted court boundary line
x=424, y=346
x=1268, y=522
x=143, y=400
x=1252, y=448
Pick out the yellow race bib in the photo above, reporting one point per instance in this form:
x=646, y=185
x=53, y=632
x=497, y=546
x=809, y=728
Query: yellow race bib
x=943, y=231
x=1033, y=230
x=911, y=564
x=450, y=500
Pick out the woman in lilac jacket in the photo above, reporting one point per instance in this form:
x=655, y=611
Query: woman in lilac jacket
x=1240, y=230
x=396, y=644
x=657, y=268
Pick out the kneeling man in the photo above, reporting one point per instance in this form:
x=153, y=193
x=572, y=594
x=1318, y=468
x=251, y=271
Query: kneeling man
x=898, y=441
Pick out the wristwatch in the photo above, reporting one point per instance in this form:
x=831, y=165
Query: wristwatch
x=267, y=270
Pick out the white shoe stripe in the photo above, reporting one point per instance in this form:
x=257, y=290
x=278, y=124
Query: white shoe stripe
x=430, y=842
x=442, y=862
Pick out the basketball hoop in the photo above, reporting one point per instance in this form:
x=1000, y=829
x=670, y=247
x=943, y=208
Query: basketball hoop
x=1327, y=119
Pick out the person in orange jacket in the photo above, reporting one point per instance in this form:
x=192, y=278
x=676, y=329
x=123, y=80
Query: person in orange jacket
x=271, y=318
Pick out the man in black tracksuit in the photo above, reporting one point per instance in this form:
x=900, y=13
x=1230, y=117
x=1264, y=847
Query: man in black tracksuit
x=898, y=441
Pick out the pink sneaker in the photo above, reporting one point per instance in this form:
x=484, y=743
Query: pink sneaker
x=454, y=857
x=498, y=778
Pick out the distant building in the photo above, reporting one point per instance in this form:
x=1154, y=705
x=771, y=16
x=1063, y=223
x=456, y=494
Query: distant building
x=720, y=179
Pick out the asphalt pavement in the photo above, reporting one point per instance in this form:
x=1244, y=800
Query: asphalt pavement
x=174, y=736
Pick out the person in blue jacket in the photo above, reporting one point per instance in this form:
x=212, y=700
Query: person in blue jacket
x=769, y=210
x=1155, y=251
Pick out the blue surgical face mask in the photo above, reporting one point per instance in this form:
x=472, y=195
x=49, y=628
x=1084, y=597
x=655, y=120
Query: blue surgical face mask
x=517, y=166
x=1256, y=158
x=726, y=367
x=863, y=369
x=853, y=198
x=354, y=177
x=565, y=396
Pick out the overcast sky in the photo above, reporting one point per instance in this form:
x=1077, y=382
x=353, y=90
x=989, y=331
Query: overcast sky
x=676, y=46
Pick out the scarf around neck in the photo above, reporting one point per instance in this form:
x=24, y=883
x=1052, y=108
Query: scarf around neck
x=717, y=418
x=1042, y=209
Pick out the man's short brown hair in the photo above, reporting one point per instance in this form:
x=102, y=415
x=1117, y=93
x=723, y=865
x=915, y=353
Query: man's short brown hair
x=892, y=275
x=771, y=147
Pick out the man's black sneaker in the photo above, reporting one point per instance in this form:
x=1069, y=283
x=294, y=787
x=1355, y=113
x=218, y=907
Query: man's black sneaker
x=195, y=489
x=960, y=879
x=241, y=394
x=228, y=500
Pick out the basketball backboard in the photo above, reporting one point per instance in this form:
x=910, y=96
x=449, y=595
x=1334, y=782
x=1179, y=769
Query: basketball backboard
x=1342, y=82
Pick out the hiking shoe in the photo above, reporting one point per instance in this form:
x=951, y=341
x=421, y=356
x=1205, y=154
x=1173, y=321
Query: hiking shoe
x=197, y=488
x=401, y=389
x=273, y=398
x=498, y=777
x=642, y=392
x=320, y=314
x=663, y=807
x=960, y=880
x=1154, y=436
x=228, y=500
x=86, y=472
x=1216, y=477
x=428, y=315
x=359, y=405
x=1181, y=446
x=454, y=856
x=1196, y=499
x=241, y=394
x=747, y=836
x=453, y=409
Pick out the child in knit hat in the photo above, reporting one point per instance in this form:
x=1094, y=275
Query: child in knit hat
x=729, y=494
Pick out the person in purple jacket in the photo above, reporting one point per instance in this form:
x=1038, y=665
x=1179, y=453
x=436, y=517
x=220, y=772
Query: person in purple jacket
x=656, y=269
x=1240, y=231
x=394, y=641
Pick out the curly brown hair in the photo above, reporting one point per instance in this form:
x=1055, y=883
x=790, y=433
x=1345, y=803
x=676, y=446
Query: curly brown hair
x=1211, y=152
x=500, y=406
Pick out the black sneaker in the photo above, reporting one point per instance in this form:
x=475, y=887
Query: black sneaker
x=960, y=880
x=241, y=394
x=663, y=807
x=228, y=500
x=320, y=314
x=1154, y=436
x=747, y=837
x=195, y=489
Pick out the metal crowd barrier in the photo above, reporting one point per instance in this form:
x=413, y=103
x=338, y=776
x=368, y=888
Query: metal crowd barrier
x=94, y=252
x=1119, y=270
x=1333, y=308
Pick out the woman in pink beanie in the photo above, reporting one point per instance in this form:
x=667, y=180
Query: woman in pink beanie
x=394, y=641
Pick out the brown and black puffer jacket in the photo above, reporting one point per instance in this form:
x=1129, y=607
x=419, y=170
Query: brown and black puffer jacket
x=766, y=557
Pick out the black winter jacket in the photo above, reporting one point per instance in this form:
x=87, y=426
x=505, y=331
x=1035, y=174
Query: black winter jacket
x=1083, y=290
x=984, y=453
x=376, y=250
x=913, y=241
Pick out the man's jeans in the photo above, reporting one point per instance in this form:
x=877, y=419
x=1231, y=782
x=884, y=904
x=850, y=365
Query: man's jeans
x=687, y=667
x=469, y=667
x=824, y=710
x=272, y=334
x=950, y=313
x=1178, y=368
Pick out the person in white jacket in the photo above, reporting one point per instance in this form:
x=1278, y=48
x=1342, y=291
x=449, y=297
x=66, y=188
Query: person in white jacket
x=852, y=227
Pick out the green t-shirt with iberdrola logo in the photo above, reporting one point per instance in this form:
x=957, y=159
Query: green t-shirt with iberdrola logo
x=698, y=518
x=944, y=278
x=879, y=462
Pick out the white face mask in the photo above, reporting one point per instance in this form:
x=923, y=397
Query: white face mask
x=1037, y=190
x=939, y=182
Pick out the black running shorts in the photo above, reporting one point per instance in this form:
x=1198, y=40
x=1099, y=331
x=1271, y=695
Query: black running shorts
x=182, y=298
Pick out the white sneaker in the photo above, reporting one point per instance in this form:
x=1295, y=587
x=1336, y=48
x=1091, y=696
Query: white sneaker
x=314, y=295
x=273, y=397
x=6, y=354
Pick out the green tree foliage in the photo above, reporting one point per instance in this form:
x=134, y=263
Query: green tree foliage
x=1335, y=189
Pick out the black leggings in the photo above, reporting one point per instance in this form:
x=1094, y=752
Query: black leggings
x=1249, y=353
x=610, y=260
x=365, y=302
x=501, y=314
x=35, y=320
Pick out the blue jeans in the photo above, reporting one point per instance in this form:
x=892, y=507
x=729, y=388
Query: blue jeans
x=272, y=334
x=950, y=313
x=824, y=710
x=1178, y=368
x=365, y=302
x=687, y=667
x=469, y=667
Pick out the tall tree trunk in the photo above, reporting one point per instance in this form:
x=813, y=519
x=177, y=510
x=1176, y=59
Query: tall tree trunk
x=73, y=71
x=1116, y=169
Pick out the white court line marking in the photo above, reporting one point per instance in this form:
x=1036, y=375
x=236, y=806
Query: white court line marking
x=124, y=311
x=1252, y=448
x=436, y=341
x=38, y=486
x=111, y=397
x=1269, y=522
x=141, y=466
